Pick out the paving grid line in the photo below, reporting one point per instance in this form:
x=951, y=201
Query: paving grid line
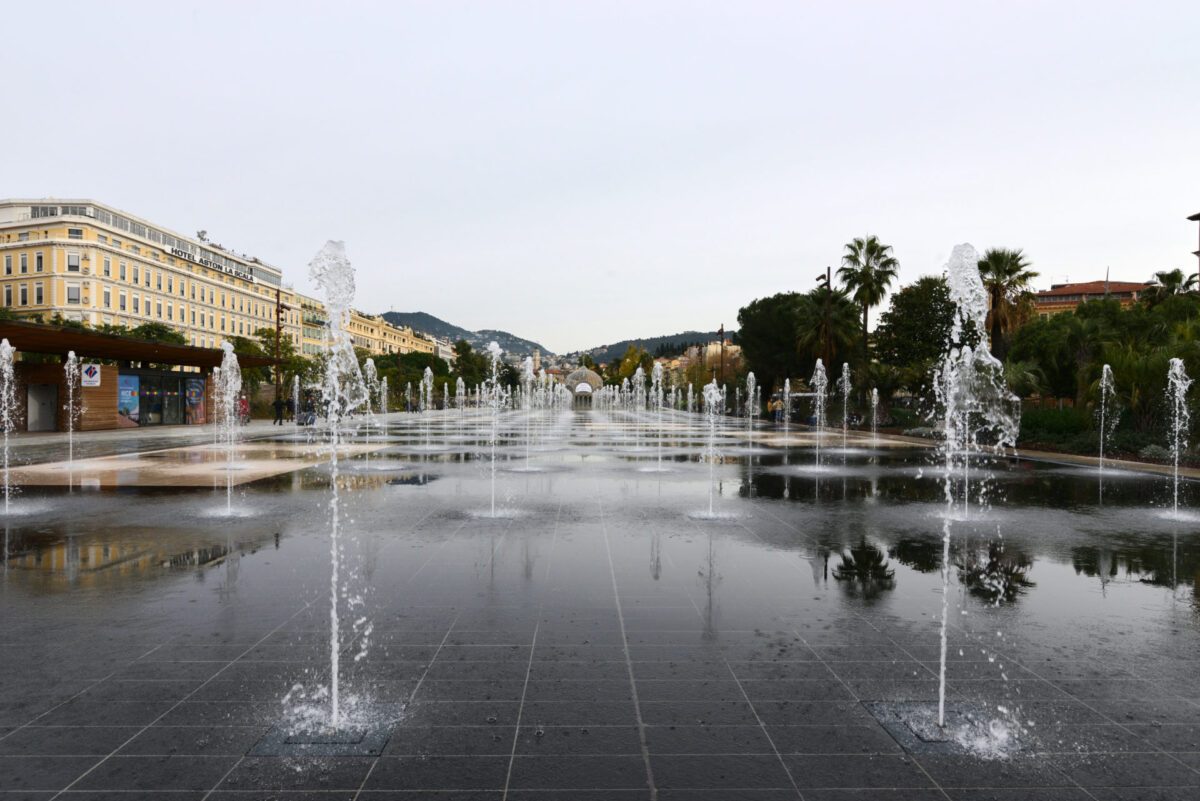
x=637, y=707
x=1067, y=696
x=182, y=700
x=218, y=673
x=533, y=648
x=903, y=650
x=420, y=682
x=366, y=776
x=762, y=725
x=849, y=689
x=350, y=643
x=512, y=757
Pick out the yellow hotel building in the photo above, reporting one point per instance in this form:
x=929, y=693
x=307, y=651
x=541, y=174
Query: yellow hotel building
x=96, y=264
x=90, y=262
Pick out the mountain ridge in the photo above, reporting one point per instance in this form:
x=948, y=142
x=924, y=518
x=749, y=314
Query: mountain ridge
x=511, y=344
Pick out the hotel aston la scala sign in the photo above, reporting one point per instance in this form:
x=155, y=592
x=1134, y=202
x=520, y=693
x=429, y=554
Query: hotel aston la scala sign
x=209, y=263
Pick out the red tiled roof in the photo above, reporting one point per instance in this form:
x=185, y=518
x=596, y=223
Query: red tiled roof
x=1091, y=288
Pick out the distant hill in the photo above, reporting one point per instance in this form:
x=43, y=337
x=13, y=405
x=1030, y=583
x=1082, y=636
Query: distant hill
x=672, y=342
x=514, y=347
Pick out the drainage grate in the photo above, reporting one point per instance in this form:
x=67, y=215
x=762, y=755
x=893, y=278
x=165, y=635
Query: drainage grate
x=913, y=724
x=357, y=739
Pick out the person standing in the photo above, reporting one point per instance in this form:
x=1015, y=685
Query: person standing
x=279, y=406
x=291, y=410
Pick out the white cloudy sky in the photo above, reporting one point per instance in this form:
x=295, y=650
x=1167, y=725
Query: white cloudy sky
x=580, y=172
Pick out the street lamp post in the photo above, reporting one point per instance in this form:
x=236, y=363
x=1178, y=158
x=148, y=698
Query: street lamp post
x=826, y=281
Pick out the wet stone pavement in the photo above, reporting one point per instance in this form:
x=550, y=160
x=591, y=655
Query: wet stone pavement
x=601, y=636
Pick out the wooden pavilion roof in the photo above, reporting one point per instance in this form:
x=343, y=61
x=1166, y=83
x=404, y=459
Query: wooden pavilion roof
x=56, y=339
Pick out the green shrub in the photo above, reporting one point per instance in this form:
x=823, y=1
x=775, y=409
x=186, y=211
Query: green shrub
x=1054, y=425
x=905, y=418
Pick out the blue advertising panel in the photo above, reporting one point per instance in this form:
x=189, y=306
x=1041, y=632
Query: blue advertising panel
x=193, y=410
x=127, y=400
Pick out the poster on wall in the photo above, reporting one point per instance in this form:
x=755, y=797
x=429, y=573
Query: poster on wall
x=193, y=406
x=127, y=401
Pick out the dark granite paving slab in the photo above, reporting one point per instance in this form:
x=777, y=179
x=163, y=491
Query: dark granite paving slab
x=25, y=773
x=832, y=771
x=409, y=740
x=66, y=740
x=1127, y=770
x=736, y=771
x=151, y=773
x=576, y=772
x=443, y=773
x=326, y=774
x=692, y=740
x=166, y=740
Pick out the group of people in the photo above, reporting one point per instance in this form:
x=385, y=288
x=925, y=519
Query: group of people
x=281, y=406
x=775, y=409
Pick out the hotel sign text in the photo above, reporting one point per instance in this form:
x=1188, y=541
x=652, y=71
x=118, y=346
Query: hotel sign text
x=209, y=263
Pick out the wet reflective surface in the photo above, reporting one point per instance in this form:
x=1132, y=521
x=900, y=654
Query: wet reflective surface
x=601, y=635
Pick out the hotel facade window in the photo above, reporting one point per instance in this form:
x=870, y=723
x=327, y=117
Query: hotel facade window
x=39, y=262
x=24, y=263
x=38, y=294
x=73, y=296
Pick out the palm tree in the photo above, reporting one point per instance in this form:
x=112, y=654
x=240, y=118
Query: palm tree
x=1168, y=283
x=810, y=326
x=1006, y=276
x=868, y=269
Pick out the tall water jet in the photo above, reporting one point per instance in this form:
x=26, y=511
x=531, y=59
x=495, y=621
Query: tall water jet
x=527, y=379
x=73, y=377
x=1177, y=387
x=874, y=414
x=342, y=391
x=712, y=402
x=691, y=399
x=751, y=404
x=8, y=411
x=844, y=388
x=819, y=384
x=297, y=406
x=226, y=391
x=494, y=401
x=371, y=382
x=656, y=379
x=975, y=403
x=426, y=404
x=1108, y=390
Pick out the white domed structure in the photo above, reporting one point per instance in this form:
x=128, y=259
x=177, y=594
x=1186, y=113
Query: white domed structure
x=582, y=383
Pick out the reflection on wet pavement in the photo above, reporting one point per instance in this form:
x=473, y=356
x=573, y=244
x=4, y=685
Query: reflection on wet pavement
x=595, y=637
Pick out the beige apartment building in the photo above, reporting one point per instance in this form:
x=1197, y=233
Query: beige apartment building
x=93, y=263
x=99, y=265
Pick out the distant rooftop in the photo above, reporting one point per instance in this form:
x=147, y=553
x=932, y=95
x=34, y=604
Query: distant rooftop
x=1092, y=288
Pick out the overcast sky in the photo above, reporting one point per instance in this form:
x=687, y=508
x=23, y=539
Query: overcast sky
x=578, y=173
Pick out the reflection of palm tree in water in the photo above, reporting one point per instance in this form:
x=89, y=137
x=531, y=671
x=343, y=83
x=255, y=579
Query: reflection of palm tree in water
x=864, y=570
x=997, y=575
